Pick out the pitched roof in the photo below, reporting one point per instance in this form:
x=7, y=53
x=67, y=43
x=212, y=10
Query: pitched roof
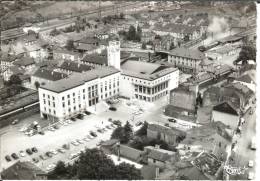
x=245, y=78
x=160, y=156
x=86, y=47
x=49, y=74
x=165, y=130
x=6, y=57
x=17, y=70
x=77, y=79
x=24, y=61
x=130, y=153
x=95, y=59
x=187, y=53
x=225, y=107
x=89, y=40
x=22, y=171
x=75, y=67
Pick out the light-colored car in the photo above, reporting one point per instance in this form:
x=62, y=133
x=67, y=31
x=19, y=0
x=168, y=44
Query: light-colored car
x=22, y=129
x=90, y=137
x=54, y=152
x=86, y=139
x=61, y=150
x=250, y=163
x=50, y=167
x=22, y=153
x=75, y=143
x=251, y=176
x=80, y=141
x=73, y=155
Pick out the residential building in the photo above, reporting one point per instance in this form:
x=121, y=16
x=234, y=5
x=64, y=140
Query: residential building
x=6, y=60
x=45, y=76
x=169, y=135
x=159, y=157
x=90, y=45
x=95, y=60
x=69, y=67
x=13, y=70
x=147, y=81
x=227, y=114
x=185, y=59
x=27, y=63
x=23, y=171
x=63, y=54
x=247, y=81
x=78, y=92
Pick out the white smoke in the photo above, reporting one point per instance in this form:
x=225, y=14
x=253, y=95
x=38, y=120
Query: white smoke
x=218, y=25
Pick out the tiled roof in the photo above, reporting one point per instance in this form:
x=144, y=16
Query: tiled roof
x=24, y=61
x=176, y=28
x=17, y=70
x=160, y=156
x=187, y=53
x=7, y=58
x=130, y=153
x=225, y=107
x=245, y=78
x=64, y=51
x=89, y=40
x=75, y=67
x=165, y=130
x=95, y=59
x=77, y=79
x=86, y=47
x=49, y=74
x=22, y=171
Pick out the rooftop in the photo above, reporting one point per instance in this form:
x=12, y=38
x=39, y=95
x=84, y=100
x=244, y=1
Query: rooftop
x=49, y=74
x=22, y=171
x=75, y=67
x=95, y=59
x=77, y=79
x=187, y=53
x=145, y=70
x=24, y=61
x=165, y=130
x=226, y=107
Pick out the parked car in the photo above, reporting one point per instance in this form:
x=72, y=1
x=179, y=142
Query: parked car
x=87, y=113
x=108, y=127
x=54, y=152
x=90, y=137
x=22, y=154
x=61, y=150
x=92, y=133
x=251, y=111
x=100, y=130
x=75, y=143
x=167, y=125
x=43, y=157
x=250, y=163
x=117, y=122
x=73, y=119
x=66, y=146
x=48, y=154
x=51, y=128
x=56, y=126
x=112, y=108
x=50, y=167
x=41, y=132
x=29, y=151
x=172, y=120
x=15, y=121
x=35, y=160
x=8, y=158
x=73, y=155
x=86, y=139
x=34, y=149
x=80, y=116
x=14, y=156
x=79, y=141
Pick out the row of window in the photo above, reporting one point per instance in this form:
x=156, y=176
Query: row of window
x=153, y=90
x=151, y=99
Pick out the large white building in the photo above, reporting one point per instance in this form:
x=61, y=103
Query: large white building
x=78, y=92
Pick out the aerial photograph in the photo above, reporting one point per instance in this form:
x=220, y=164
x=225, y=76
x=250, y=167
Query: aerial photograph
x=128, y=90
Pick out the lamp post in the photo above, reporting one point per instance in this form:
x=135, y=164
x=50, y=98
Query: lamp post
x=118, y=150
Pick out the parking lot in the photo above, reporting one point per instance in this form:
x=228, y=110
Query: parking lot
x=76, y=130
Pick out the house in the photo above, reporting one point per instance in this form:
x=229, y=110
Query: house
x=13, y=70
x=90, y=45
x=183, y=101
x=169, y=135
x=211, y=138
x=27, y=63
x=185, y=59
x=247, y=81
x=23, y=171
x=6, y=60
x=68, y=67
x=63, y=54
x=159, y=157
x=227, y=114
x=96, y=60
x=45, y=75
x=129, y=153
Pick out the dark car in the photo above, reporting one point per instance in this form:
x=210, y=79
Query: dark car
x=15, y=156
x=172, y=120
x=93, y=134
x=29, y=151
x=43, y=157
x=41, y=132
x=202, y=48
x=112, y=109
x=117, y=123
x=80, y=116
x=35, y=160
x=73, y=119
x=167, y=124
x=48, y=154
x=34, y=149
x=100, y=130
x=56, y=126
x=87, y=113
x=8, y=158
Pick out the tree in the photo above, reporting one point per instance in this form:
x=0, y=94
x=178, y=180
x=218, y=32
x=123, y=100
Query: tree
x=131, y=33
x=144, y=45
x=138, y=35
x=70, y=45
x=37, y=85
x=246, y=53
x=143, y=130
x=119, y=134
x=128, y=131
x=15, y=80
x=172, y=46
x=94, y=164
x=186, y=38
x=122, y=16
x=199, y=99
